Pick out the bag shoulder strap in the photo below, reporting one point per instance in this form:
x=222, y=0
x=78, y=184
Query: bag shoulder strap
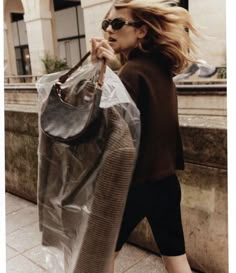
x=63, y=78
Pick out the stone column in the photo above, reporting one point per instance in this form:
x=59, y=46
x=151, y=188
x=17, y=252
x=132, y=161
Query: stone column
x=9, y=49
x=6, y=52
x=94, y=12
x=38, y=19
x=9, y=52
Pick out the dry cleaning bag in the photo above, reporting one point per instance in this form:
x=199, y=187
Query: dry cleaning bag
x=83, y=187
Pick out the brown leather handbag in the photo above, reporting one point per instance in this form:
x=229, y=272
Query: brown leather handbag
x=73, y=116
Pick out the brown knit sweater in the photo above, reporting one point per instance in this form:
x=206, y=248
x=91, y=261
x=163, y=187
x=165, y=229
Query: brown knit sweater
x=150, y=85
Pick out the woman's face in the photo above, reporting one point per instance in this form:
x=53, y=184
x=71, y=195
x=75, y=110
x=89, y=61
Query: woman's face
x=126, y=38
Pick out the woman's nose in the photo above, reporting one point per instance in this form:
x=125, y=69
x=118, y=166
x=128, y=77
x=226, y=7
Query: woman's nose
x=109, y=29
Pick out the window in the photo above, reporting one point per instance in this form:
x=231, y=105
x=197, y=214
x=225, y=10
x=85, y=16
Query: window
x=184, y=4
x=70, y=34
x=21, y=44
x=23, y=60
x=63, y=4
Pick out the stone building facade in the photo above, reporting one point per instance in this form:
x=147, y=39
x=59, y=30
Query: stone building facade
x=63, y=28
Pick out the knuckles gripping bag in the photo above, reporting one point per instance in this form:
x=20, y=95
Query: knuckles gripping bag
x=83, y=186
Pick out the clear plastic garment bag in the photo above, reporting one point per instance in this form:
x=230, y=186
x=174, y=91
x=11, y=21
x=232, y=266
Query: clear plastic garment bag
x=82, y=188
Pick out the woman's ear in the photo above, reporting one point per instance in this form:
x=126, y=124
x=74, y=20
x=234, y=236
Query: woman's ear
x=142, y=31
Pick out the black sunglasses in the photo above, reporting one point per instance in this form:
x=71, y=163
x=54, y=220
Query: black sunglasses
x=118, y=23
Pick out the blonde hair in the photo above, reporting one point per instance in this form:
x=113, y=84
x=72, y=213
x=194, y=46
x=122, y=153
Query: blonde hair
x=168, y=30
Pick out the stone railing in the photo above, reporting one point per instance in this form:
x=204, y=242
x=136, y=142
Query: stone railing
x=204, y=181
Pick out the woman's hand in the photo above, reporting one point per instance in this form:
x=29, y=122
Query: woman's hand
x=100, y=49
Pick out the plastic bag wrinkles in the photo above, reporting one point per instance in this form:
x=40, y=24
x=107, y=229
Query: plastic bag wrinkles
x=82, y=188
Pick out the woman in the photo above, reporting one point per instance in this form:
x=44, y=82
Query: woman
x=153, y=40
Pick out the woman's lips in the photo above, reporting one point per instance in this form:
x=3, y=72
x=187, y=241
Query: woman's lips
x=111, y=39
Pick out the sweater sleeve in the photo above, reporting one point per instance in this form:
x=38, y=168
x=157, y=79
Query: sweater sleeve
x=131, y=80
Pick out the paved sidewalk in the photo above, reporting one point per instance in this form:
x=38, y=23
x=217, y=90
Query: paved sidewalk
x=24, y=254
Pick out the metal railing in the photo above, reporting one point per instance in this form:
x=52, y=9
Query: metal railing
x=214, y=88
x=21, y=79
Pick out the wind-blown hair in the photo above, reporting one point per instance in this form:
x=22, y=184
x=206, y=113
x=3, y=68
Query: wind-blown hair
x=169, y=28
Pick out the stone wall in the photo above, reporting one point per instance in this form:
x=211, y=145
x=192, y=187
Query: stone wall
x=21, y=142
x=94, y=12
x=204, y=181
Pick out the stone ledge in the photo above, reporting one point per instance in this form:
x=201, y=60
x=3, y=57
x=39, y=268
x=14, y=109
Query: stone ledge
x=21, y=98
x=209, y=104
x=202, y=104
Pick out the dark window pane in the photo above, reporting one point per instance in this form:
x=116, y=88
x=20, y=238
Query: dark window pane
x=17, y=17
x=19, y=63
x=26, y=61
x=184, y=4
x=23, y=60
x=63, y=4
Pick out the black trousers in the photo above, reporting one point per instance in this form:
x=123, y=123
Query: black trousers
x=158, y=201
